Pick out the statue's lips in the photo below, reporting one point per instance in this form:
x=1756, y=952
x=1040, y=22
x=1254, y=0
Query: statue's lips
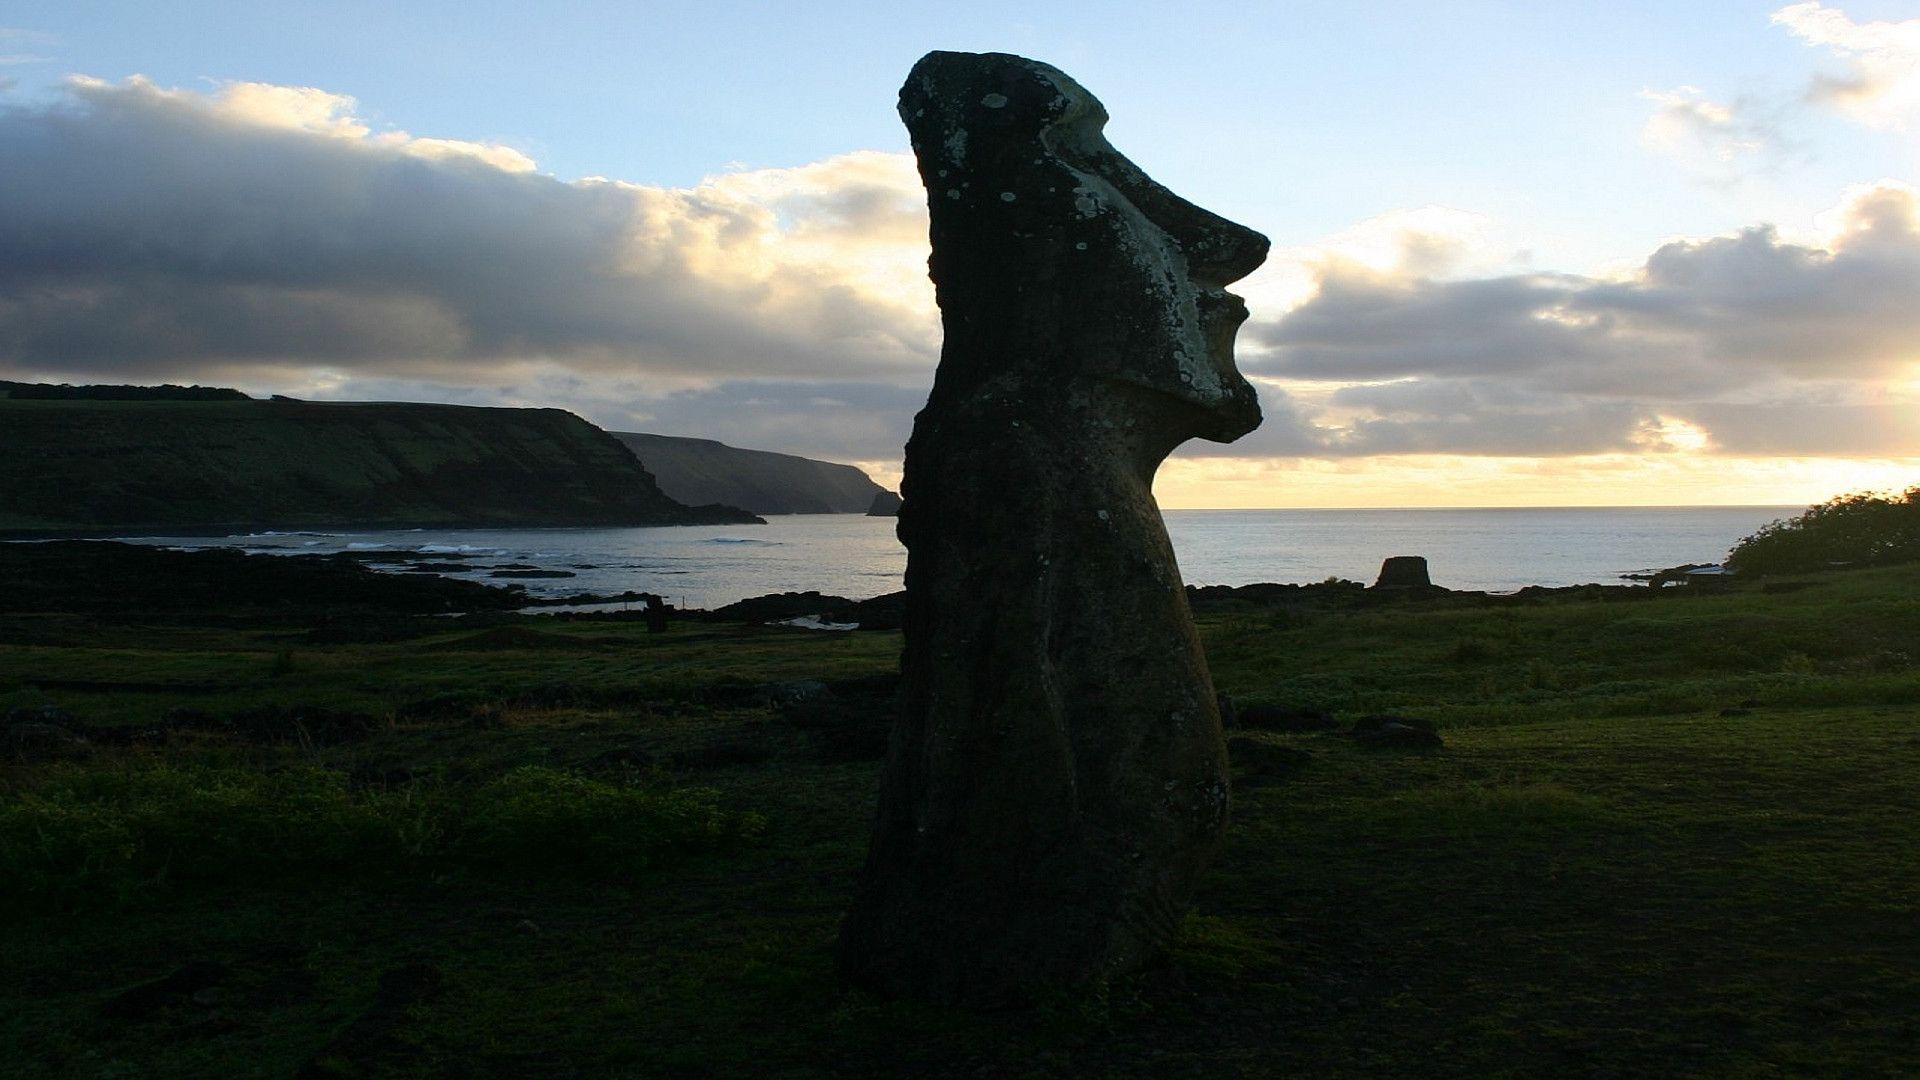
x=1218, y=305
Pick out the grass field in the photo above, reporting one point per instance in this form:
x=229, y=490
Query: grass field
x=1667, y=836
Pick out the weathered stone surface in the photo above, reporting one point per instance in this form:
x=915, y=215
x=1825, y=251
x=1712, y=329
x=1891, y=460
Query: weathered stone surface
x=1056, y=780
x=1403, y=572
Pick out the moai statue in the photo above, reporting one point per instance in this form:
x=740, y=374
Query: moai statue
x=1056, y=780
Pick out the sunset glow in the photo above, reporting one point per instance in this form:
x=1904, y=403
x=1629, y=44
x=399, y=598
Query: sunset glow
x=1732, y=323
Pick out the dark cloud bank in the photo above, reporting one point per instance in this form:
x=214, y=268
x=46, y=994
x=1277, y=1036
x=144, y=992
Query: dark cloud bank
x=149, y=231
x=159, y=235
x=1770, y=347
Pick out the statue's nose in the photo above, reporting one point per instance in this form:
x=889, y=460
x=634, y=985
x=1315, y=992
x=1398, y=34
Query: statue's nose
x=1220, y=252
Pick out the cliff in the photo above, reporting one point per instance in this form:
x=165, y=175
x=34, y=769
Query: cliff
x=705, y=471
x=103, y=466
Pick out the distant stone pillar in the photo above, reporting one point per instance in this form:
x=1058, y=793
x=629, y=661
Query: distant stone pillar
x=1404, y=572
x=1057, y=779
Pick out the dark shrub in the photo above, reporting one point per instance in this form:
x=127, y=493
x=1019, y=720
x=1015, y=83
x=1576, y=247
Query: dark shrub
x=1850, y=530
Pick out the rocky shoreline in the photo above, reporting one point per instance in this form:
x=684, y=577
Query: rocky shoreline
x=106, y=578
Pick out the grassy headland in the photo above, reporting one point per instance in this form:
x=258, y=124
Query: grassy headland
x=1671, y=833
x=81, y=465
x=706, y=471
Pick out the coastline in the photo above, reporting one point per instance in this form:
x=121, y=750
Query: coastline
x=854, y=556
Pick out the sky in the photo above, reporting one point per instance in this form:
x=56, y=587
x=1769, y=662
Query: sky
x=1524, y=254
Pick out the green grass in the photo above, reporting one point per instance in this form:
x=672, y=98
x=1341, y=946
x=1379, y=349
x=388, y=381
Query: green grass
x=116, y=836
x=1668, y=836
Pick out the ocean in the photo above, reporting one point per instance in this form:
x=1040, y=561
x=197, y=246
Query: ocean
x=857, y=557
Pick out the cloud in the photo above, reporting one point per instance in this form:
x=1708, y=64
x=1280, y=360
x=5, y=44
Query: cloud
x=270, y=237
x=155, y=231
x=1719, y=312
x=1432, y=240
x=304, y=109
x=1604, y=480
x=1288, y=428
x=1482, y=417
x=837, y=420
x=834, y=419
x=1881, y=83
x=1747, y=341
x=14, y=38
x=1810, y=429
x=1718, y=141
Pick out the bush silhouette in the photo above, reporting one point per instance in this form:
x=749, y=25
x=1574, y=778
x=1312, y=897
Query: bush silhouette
x=1860, y=529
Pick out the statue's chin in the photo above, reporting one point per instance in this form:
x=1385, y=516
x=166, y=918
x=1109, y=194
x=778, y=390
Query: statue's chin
x=1224, y=421
x=1229, y=427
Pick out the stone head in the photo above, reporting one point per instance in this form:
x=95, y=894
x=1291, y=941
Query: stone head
x=1056, y=259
